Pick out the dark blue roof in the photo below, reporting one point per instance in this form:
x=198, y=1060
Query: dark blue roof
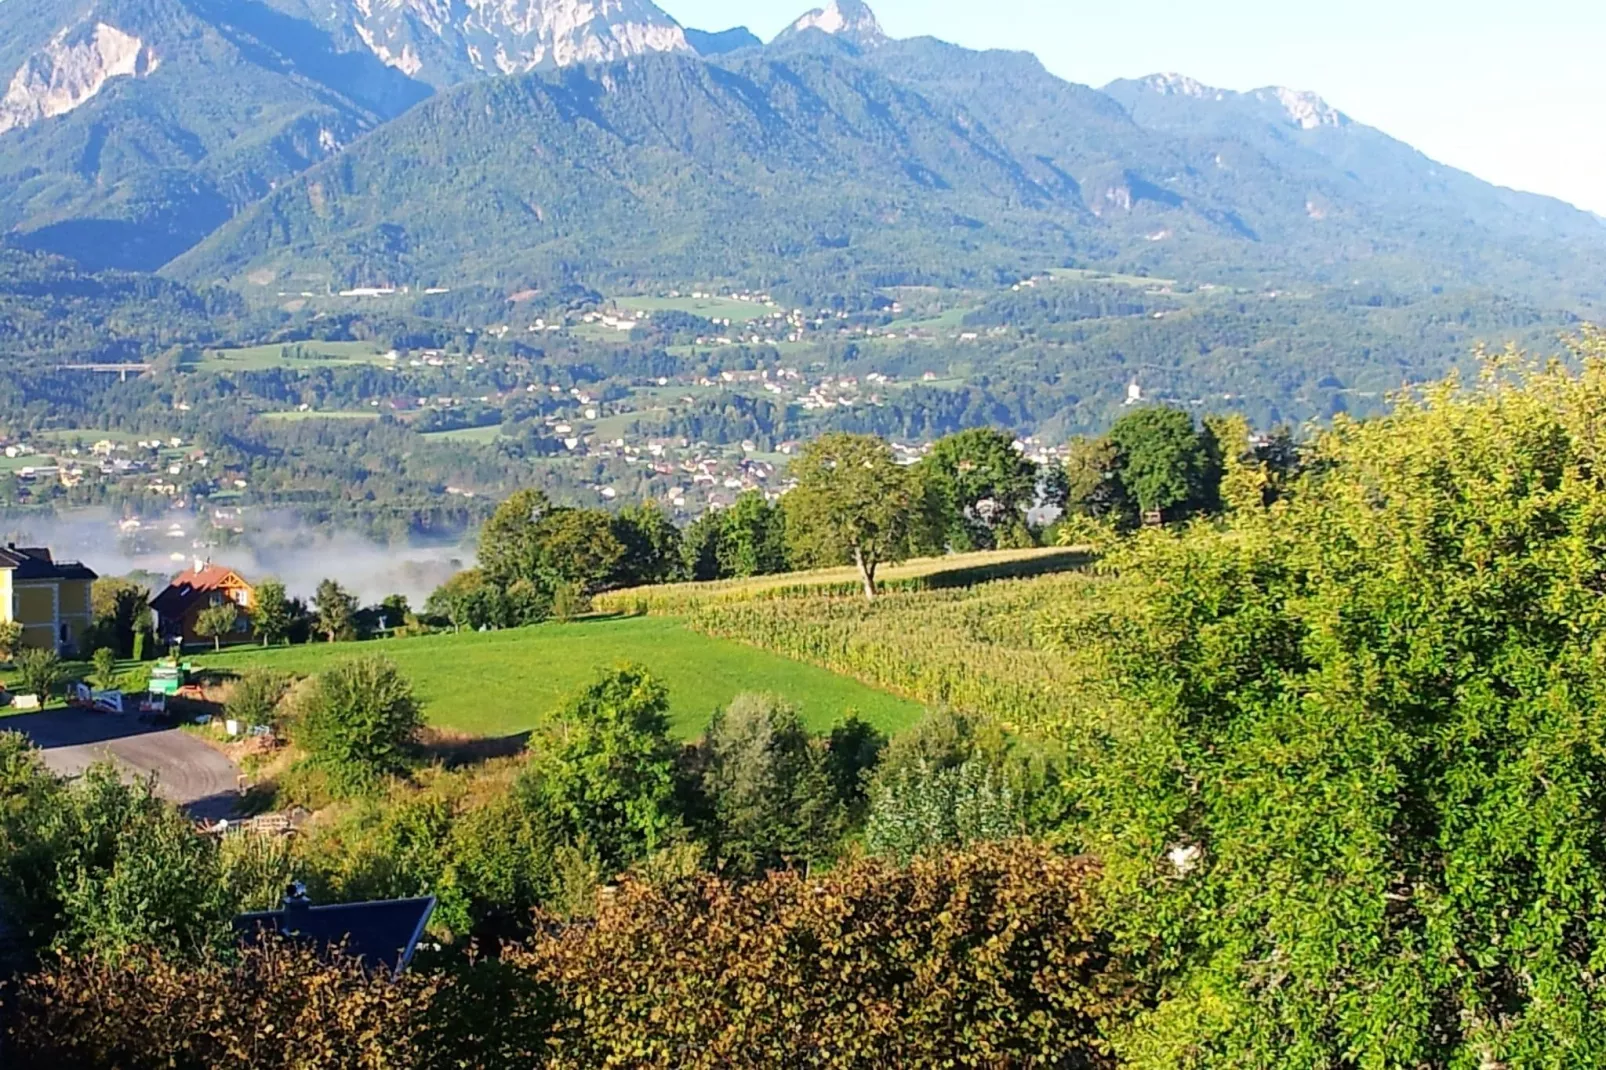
x=383, y=933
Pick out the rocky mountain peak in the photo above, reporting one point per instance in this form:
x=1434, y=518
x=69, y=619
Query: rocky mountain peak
x=849, y=19
x=445, y=41
x=1180, y=85
x=1306, y=110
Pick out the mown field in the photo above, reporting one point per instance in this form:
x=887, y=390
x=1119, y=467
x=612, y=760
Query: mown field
x=310, y=354
x=504, y=683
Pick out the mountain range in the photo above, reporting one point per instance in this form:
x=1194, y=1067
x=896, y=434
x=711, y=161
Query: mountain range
x=268, y=143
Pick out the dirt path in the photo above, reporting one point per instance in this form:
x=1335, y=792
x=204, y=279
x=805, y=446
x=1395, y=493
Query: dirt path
x=188, y=772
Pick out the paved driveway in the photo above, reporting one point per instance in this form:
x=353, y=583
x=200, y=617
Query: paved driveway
x=188, y=772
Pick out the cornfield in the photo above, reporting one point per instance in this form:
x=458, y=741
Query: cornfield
x=993, y=651
x=924, y=574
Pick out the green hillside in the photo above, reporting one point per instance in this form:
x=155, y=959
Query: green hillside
x=503, y=683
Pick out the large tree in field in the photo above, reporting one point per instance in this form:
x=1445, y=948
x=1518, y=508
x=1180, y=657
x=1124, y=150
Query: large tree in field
x=1164, y=462
x=578, y=547
x=337, y=611
x=272, y=616
x=510, y=542
x=217, y=621
x=1091, y=485
x=989, y=485
x=854, y=503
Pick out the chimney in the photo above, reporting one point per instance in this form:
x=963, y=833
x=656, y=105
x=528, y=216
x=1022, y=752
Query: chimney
x=297, y=903
x=197, y=564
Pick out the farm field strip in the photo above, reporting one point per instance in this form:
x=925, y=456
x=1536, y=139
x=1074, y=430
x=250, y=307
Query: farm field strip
x=500, y=684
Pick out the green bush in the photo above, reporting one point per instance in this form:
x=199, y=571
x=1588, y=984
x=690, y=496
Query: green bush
x=359, y=722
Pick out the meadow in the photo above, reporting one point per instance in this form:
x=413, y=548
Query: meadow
x=706, y=307
x=499, y=684
x=311, y=354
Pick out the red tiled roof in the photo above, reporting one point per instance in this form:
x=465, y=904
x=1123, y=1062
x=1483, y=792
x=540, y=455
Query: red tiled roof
x=188, y=586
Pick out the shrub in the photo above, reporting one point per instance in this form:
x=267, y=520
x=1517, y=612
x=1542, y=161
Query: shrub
x=255, y=698
x=569, y=600
x=359, y=722
x=770, y=796
x=40, y=671
x=273, y=1006
x=100, y=865
x=983, y=959
x=105, y=663
x=10, y=638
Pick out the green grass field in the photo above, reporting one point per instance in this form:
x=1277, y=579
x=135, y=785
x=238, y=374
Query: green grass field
x=503, y=683
x=294, y=417
x=479, y=436
x=30, y=460
x=706, y=307
x=310, y=354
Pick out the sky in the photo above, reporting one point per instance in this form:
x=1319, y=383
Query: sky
x=1512, y=90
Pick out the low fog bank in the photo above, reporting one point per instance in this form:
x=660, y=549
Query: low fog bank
x=272, y=546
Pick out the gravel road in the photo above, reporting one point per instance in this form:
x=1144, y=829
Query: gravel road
x=188, y=772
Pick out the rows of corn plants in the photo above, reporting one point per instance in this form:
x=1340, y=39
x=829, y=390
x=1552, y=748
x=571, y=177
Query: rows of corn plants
x=925, y=574
x=993, y=650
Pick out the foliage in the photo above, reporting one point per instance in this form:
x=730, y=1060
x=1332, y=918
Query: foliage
x=359, y=722
x=510, y=541
x=273, y=616
x=1347, y=788
x=569, y=600
x=10, y=638
x=768, y=787
x=982, y=959
x=988, y=484
x=100, y=865
x=254, y=699
x=473, y=600
x=276, y=1005
x=40, y=672
x=853, y=502
x=752, y=538
x=578, y=547
x=651, y=544
x=217, y=621
x=121, y=611
x=337, y=612
x=920, y=808
x=605, y=769
x=105, y=663
x=1164, y=463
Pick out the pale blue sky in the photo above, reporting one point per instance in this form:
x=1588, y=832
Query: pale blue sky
x=1511, y=90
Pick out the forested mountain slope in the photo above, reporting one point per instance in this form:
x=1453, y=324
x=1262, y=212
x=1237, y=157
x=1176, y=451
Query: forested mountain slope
x=133, y=128
x=665, y=168
x=906, y=161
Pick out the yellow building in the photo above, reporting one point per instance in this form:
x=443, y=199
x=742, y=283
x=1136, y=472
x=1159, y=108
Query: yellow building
x=49, y=598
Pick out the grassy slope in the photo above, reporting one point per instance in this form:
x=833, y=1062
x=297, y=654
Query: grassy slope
x=503, y=683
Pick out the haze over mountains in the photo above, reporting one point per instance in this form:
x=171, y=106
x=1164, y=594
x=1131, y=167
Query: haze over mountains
x=449, y=142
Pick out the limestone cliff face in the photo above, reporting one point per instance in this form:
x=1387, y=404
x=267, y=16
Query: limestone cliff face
x=446, y=41
x=70, y=70
x=851, y=20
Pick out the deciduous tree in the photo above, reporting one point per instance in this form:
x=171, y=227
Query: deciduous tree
x=272, y=616
x=854, y=503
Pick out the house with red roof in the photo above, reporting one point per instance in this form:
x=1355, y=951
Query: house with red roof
x=204, y=585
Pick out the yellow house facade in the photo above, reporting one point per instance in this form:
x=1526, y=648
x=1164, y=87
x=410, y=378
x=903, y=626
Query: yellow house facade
x=51, y=599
